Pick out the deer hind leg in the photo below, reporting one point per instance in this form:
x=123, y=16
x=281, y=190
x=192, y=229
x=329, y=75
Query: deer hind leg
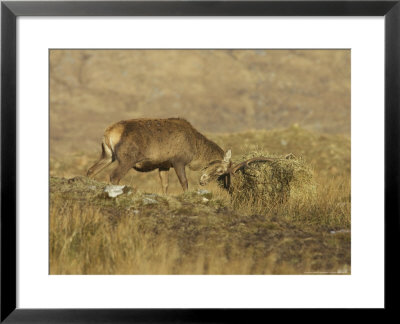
x=163, y=173
x=127, y=155
x=119, y=172
x=180, y=172
x=105, y=160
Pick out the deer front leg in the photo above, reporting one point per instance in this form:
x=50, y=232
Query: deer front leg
x=163, y=173
x=180, y=172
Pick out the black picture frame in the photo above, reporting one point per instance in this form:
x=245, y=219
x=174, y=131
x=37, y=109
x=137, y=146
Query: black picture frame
x=11, y=10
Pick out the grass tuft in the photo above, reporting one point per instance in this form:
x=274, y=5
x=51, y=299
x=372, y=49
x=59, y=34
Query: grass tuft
x=263, y=185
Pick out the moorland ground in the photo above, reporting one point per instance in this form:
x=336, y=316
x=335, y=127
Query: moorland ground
x=277, y=101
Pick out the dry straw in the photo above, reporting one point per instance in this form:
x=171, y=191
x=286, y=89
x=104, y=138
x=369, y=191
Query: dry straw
x=266, y=184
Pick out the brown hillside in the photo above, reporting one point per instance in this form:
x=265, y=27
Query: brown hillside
x=221, y=91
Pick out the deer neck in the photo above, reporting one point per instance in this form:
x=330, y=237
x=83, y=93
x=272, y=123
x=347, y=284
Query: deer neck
x=206, y=151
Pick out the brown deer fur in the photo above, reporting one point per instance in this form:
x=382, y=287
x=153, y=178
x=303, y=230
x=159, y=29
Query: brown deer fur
x=149, y=144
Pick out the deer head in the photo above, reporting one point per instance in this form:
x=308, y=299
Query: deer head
x=216, y=168
x=224, y=169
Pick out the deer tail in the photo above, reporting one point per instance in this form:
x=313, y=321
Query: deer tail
x=107, y=148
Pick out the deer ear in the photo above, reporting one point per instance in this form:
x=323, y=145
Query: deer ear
x=228, y=155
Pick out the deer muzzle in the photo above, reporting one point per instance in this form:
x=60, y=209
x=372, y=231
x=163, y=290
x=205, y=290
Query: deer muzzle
x=204, y=179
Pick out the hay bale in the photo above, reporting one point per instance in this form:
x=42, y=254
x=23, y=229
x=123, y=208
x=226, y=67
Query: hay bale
x=264, y=184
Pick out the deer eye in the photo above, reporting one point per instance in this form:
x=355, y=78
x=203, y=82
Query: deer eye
x=220, y=171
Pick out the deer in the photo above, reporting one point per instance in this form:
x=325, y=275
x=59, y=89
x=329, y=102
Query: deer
x=149, y=144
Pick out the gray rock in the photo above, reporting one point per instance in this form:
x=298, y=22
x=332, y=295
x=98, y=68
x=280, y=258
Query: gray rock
x=114, y=191
x=203, y=192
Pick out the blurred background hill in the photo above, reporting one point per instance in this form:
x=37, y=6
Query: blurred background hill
x=218, y=91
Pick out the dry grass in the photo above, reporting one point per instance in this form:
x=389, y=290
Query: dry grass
x=265, y=184
x=91, y=241
x=186, y=234
x=323, y=204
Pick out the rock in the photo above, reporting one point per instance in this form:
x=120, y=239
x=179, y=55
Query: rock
x=114, y=191
x=202, y=192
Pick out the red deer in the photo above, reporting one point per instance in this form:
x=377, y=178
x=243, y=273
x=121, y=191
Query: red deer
x=149, y=144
